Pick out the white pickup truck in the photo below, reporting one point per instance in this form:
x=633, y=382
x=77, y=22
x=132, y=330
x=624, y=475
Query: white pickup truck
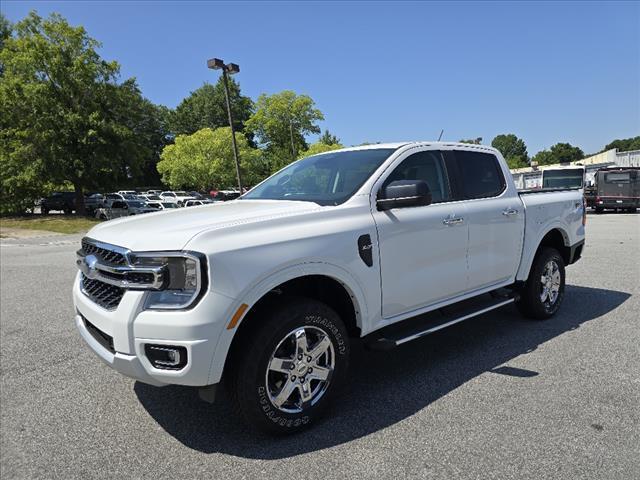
x=387, y=242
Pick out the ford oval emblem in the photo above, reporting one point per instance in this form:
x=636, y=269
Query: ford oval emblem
x=88, y=266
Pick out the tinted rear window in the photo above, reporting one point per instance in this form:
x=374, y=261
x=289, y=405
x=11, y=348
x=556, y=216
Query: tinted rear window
x=480, y=174
x=617, y=177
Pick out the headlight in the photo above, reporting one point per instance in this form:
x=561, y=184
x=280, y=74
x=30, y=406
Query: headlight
x=184, y=278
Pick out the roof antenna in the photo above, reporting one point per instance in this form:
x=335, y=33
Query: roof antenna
x=441, y=132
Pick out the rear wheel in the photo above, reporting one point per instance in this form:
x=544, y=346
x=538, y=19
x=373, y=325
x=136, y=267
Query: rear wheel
x=285, y=372
x=544, y=290
x=599, y=209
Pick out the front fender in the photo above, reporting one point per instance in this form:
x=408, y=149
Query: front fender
x=269, y=282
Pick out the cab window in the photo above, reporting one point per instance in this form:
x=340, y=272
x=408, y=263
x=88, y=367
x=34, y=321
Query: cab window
x=427, y=166
x=479, y=174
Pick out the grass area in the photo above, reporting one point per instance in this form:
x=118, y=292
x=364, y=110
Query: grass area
x=52, y=223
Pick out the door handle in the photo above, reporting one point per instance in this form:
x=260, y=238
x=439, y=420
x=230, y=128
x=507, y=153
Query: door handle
x=510, y=212
x=453, y=221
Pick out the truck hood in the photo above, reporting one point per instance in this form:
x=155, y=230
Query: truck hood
x=172, y=229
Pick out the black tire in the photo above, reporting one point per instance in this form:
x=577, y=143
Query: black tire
x=44, y=211
x=599, y=209
x=531, y=303
x=252, y=385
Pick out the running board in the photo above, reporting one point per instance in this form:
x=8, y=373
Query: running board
x=393, y=339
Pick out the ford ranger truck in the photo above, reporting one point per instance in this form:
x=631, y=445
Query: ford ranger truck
x=264, y=294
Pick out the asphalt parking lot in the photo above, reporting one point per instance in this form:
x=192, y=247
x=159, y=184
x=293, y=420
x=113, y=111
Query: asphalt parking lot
x=495, y=397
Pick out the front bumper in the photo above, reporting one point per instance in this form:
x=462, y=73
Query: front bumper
x=131, y=328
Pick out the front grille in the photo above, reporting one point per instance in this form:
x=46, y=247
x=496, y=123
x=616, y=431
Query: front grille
x=108, y=256
x=102, y=338
x=105, y=295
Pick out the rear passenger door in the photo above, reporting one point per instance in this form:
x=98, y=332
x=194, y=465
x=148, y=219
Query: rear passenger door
x=495, y=218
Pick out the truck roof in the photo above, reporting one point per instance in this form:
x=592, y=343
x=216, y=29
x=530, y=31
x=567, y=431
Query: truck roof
x=395, y=145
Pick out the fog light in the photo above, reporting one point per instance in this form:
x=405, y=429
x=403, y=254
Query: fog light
x=166, y=357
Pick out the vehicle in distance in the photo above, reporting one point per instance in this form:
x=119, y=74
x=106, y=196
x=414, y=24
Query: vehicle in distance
x=615, y=188
x=266, y=292
x=162, y=205
x=178, y=197
x=195, y=203
x=59, y=201
x=563, y=177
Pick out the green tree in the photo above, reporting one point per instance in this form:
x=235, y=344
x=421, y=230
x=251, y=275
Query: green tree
x=513, y=149
x=543, y=157
x=64, y=115
x=558, y=153
x=206, y=108
x=474, y=141
x=625, y=144
x=205, y=159
x=319, y=147
x=565, y=153
x=329, y=139
x=281, y=121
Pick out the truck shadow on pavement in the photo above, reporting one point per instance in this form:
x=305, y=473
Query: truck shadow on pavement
x=385, y=387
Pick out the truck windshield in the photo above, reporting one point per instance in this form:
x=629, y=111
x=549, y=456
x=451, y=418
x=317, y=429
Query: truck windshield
x=566, y=178
x=326, y=179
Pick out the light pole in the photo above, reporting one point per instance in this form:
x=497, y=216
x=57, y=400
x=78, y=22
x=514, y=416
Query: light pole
x=230, y=69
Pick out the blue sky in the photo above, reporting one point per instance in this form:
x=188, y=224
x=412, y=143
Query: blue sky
x=379, y=71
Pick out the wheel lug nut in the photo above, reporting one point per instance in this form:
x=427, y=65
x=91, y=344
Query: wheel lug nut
x=293, y=378
x=301, y=379
x=299, y=357
x=308, y=359
x=310, y=370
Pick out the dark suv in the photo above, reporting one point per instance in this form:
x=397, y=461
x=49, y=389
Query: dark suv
x=63, y=201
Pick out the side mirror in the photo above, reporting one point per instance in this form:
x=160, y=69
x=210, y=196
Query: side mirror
x=404, y=193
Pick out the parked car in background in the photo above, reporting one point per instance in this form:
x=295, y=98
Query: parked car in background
x=178, y=197
x=162, y=205
x=195, y=203
x=153, y=192
x=226, y=195
x=150, y=198
x=196, y=195
x=127, y=192
x=136, y=207
x=616, y=188
x=59, y=201
x=109, y=198
x=115, y=209
x=92, y=202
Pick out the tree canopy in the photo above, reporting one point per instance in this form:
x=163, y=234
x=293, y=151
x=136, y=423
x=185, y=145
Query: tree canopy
x=625, y=144
x=328, y=138
x=319, y=147
x=281, y=121
x=206, y=108
x=205, y=159
x=513, y=149
x=65, y=116
x=558, y=153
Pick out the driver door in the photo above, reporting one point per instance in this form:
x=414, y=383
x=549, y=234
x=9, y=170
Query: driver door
x=423, y=249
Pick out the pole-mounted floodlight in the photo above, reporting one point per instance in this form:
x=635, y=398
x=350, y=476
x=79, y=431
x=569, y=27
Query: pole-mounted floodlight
x=231, y=68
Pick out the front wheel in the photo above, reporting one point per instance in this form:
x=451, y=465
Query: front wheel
x=542, y=294
x=287, y=369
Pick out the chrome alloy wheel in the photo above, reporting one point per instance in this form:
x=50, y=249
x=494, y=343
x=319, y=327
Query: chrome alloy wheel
x=550, y=283
x=300, y=369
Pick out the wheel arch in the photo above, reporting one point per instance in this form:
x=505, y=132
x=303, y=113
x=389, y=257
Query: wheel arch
x=327, y=283
x=554, y=237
